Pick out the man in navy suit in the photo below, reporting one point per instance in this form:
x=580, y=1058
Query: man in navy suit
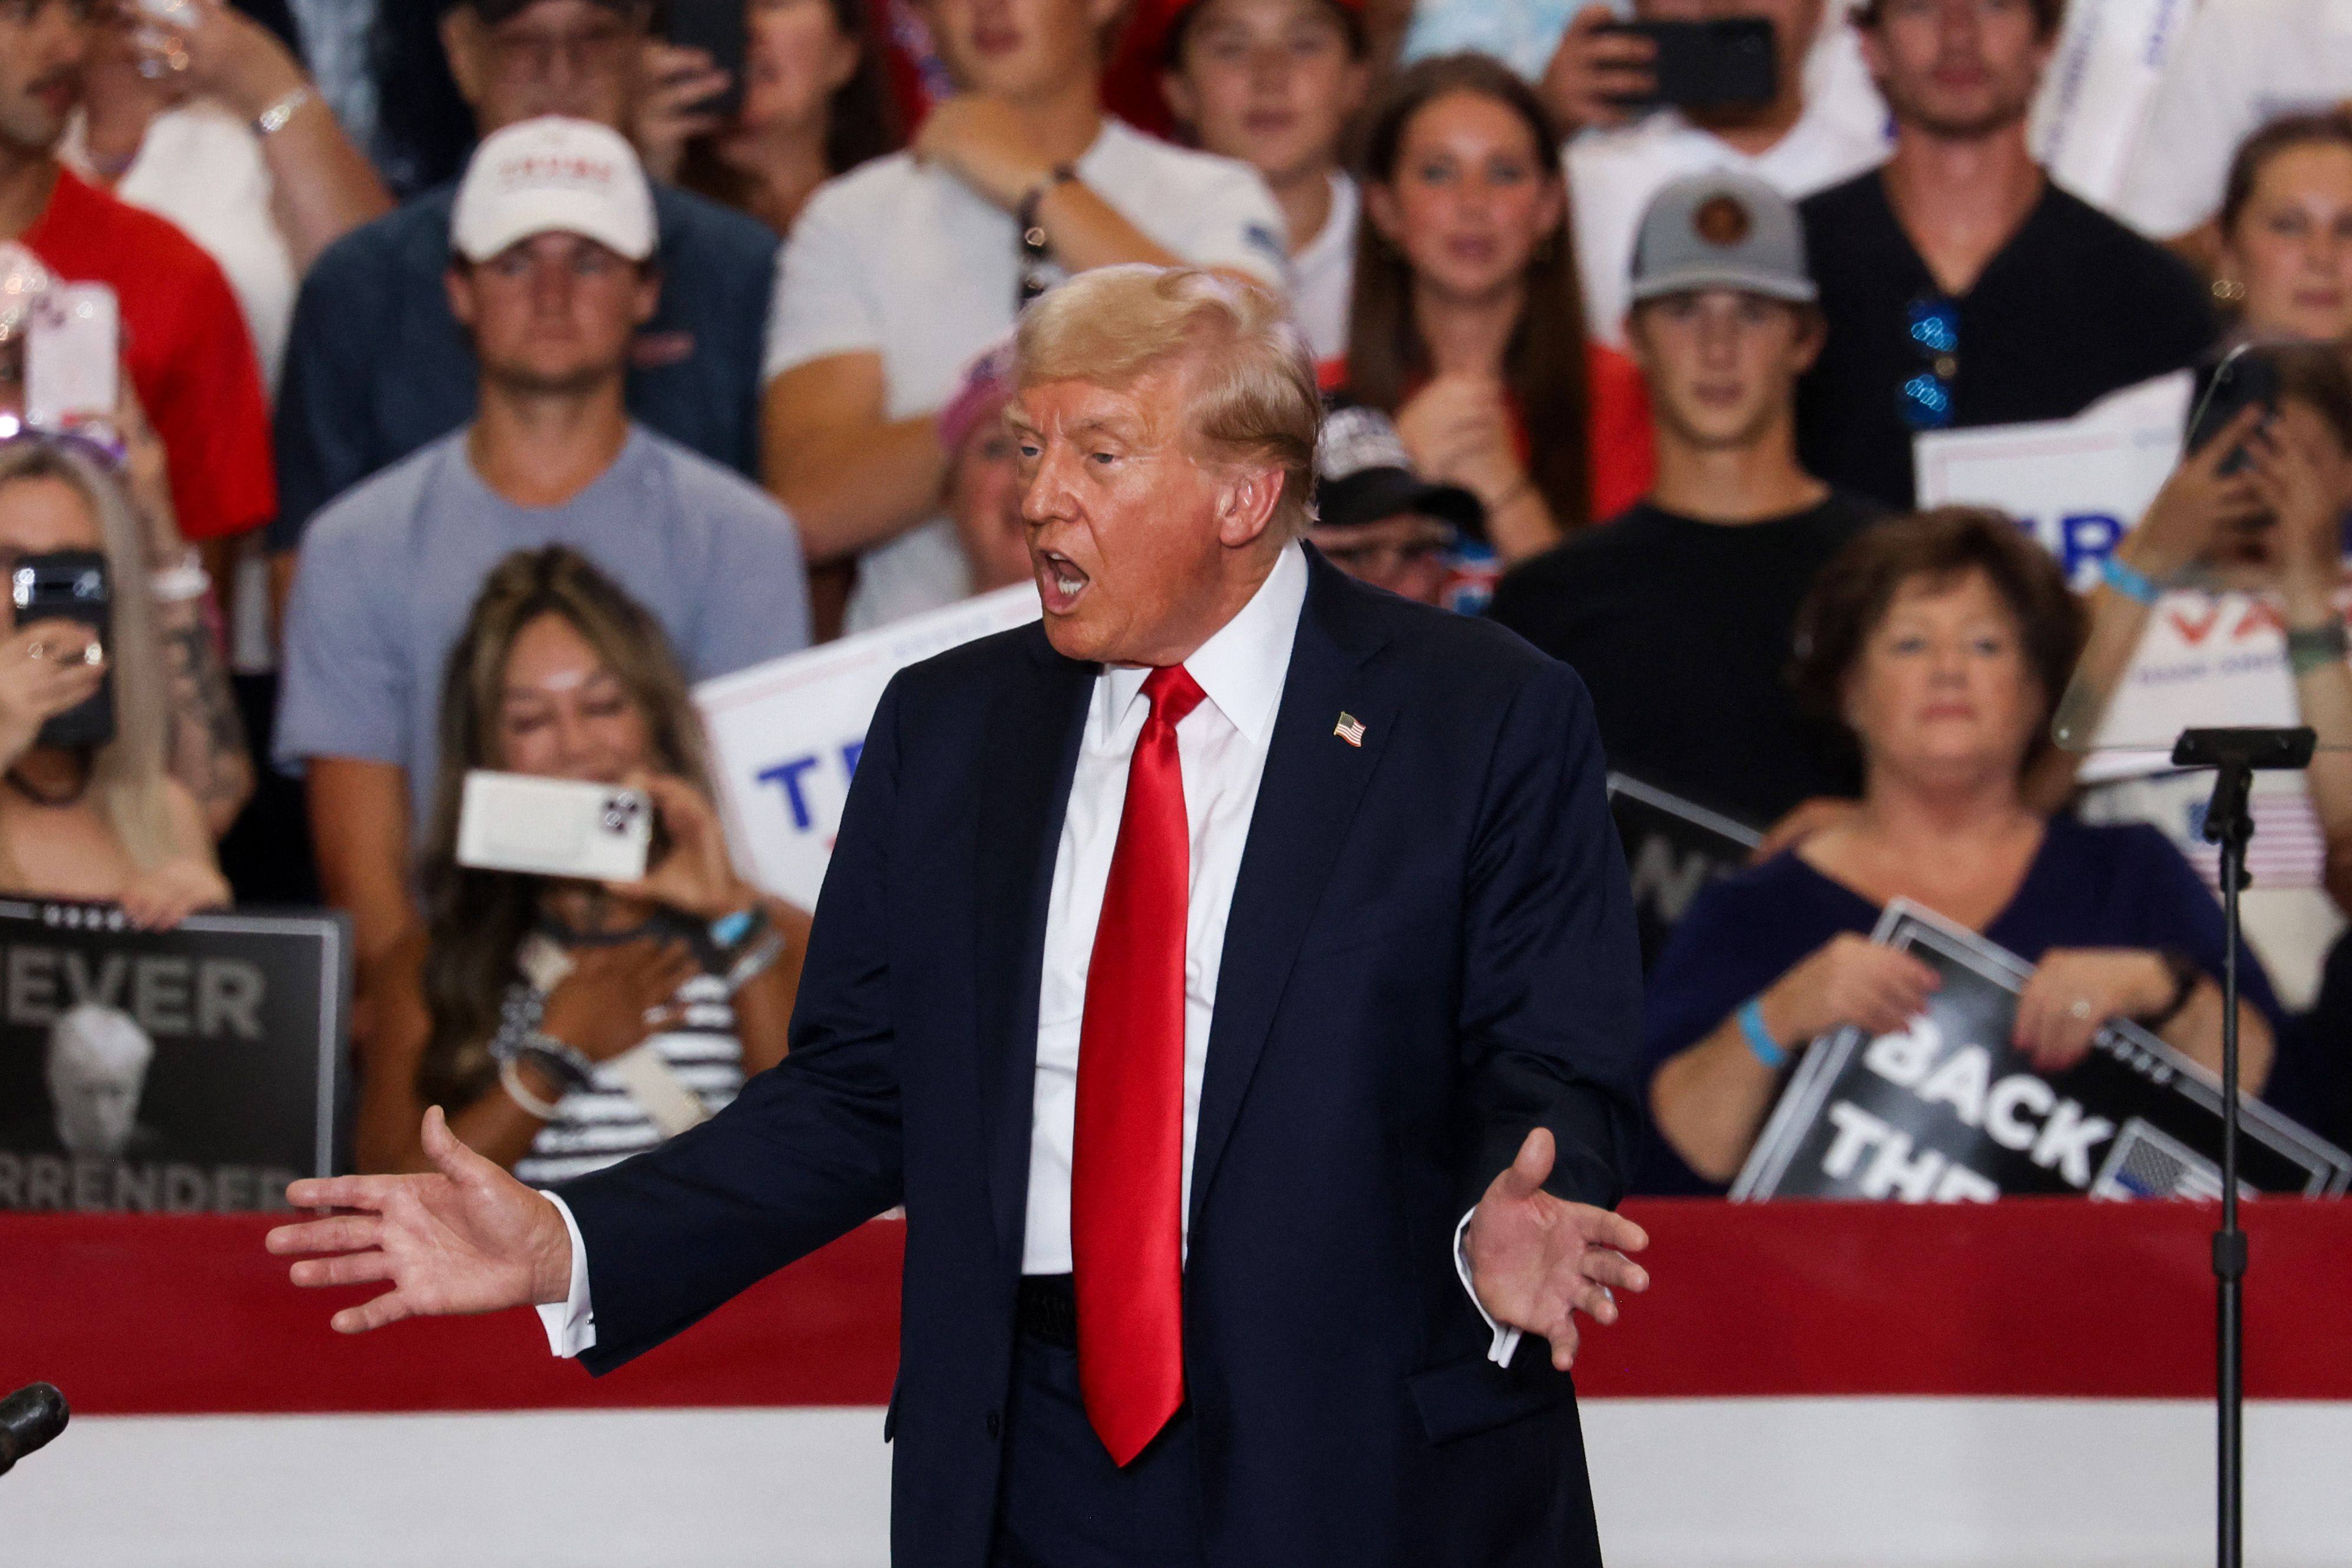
x=1235, y=979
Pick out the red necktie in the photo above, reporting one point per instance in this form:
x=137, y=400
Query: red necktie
x=1127, y=1160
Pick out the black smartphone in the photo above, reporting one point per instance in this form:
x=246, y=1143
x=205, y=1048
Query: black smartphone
x=2246, y=379
x=71, y=585
x=718, y=28
x=1727, y=63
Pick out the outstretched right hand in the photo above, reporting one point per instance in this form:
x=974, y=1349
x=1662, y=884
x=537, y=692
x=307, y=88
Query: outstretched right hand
x=465, y=1237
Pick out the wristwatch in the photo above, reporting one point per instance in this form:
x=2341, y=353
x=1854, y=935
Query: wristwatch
x=2310, y=648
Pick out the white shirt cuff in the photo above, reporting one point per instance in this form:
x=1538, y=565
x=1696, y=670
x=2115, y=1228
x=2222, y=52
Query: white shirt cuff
x=1507, y=1341
x=571, y=1323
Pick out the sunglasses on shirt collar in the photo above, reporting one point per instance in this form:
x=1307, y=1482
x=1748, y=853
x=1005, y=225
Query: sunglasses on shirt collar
x=1924, y=401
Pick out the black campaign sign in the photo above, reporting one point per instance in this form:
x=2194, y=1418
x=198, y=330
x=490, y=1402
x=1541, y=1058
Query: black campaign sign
x=190, y=1070
x=1673, y=848
x=1948, y=1110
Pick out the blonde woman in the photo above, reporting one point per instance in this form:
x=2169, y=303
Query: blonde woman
x=102, y=822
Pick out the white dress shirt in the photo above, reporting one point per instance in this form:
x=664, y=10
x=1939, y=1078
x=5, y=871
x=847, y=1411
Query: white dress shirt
x=1222, y=744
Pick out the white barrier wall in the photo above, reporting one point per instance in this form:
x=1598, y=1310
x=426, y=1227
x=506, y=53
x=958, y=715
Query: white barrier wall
x=1805, y=1483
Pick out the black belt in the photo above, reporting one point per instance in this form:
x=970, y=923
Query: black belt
x=1049, y=1309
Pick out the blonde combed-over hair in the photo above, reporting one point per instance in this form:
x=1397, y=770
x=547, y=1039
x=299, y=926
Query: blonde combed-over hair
x=1250, y=395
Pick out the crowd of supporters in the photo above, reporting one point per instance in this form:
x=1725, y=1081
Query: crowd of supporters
x=493, y=369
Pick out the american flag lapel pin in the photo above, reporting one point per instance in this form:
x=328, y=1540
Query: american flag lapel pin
x=1349, y=729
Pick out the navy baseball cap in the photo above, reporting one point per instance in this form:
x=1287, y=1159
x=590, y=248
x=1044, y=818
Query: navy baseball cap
x=1363, y=475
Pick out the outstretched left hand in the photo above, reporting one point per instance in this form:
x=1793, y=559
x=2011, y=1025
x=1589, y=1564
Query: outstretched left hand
x=1536, y=1259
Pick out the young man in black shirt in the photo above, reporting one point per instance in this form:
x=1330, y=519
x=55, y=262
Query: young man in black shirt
x=1960, y=285
x=1678, y=613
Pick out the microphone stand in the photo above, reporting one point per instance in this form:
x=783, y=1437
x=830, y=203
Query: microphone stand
x=2235, y=754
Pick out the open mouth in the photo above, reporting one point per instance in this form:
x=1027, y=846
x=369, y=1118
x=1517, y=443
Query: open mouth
x=1060, y=582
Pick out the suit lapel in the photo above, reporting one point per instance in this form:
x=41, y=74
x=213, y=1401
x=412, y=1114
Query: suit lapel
x=1030, y=745
x=1306, y=799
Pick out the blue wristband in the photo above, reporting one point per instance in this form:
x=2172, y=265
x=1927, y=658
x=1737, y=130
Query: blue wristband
x=2129, y=581
x=1759, y=1039
x=728, y=929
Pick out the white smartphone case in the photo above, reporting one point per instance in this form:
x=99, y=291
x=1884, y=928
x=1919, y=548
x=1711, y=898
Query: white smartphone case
x=553, y=828
x=73, y=357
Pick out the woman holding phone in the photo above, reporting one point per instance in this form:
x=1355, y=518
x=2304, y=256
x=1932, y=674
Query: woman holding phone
x=88, y=809
x=520, y=1007
x=814, y=102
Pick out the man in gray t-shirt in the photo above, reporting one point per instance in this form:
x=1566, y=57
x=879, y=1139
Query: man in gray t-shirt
x=554, y=233
x=389, y=572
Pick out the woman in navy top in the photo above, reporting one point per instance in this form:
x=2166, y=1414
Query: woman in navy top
x=1940, y=642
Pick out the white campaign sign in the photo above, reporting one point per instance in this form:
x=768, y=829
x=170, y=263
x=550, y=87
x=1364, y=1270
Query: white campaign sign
x=2095, y=94
x=2077, y=483
x=785, y=735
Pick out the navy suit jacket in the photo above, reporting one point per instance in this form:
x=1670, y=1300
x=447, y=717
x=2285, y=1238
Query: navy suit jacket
x=1431, y=950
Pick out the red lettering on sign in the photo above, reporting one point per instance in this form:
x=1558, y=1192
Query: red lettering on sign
x=2261, y=615
x=2193, y=630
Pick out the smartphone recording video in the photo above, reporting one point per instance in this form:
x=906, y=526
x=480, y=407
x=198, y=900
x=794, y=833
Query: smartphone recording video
x=553, y=828
x=71, y=585
x=1727, y=63
x=718, y=28
x=73, y=357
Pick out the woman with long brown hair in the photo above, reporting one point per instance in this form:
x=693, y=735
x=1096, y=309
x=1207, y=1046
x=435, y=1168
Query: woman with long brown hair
x=514, y=1008
x=1467, y=327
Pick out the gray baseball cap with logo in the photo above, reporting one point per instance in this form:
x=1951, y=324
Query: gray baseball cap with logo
x=1721, y=230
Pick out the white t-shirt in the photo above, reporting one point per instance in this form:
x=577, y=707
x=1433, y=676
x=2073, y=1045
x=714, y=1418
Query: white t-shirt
x=1613, y=175
x=1323, y=275
x=201, y=167
x=904, y=259
x=2243, y=64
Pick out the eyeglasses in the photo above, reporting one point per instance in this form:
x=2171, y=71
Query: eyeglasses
x=1381, y=560
x=523, y=55
x=1934, y=331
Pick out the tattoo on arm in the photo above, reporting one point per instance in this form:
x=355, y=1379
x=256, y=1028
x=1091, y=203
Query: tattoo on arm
x=207, y=749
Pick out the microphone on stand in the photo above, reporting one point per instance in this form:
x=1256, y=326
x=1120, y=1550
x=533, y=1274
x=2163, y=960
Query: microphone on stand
x=29, y=1418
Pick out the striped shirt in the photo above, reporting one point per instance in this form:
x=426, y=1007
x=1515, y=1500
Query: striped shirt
x=601, y=1124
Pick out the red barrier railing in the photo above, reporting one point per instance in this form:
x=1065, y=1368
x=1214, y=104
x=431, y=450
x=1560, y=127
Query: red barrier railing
x=152, y=1314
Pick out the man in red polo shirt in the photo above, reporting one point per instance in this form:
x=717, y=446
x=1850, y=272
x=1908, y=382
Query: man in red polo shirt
x=184, y=338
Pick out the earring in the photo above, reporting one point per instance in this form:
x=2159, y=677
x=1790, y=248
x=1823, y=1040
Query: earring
x=2228, y=291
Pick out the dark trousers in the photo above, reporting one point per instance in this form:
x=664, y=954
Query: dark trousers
x=1065, y=1505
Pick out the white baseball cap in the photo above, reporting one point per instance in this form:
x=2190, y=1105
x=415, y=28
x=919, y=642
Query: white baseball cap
x=554, y=175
